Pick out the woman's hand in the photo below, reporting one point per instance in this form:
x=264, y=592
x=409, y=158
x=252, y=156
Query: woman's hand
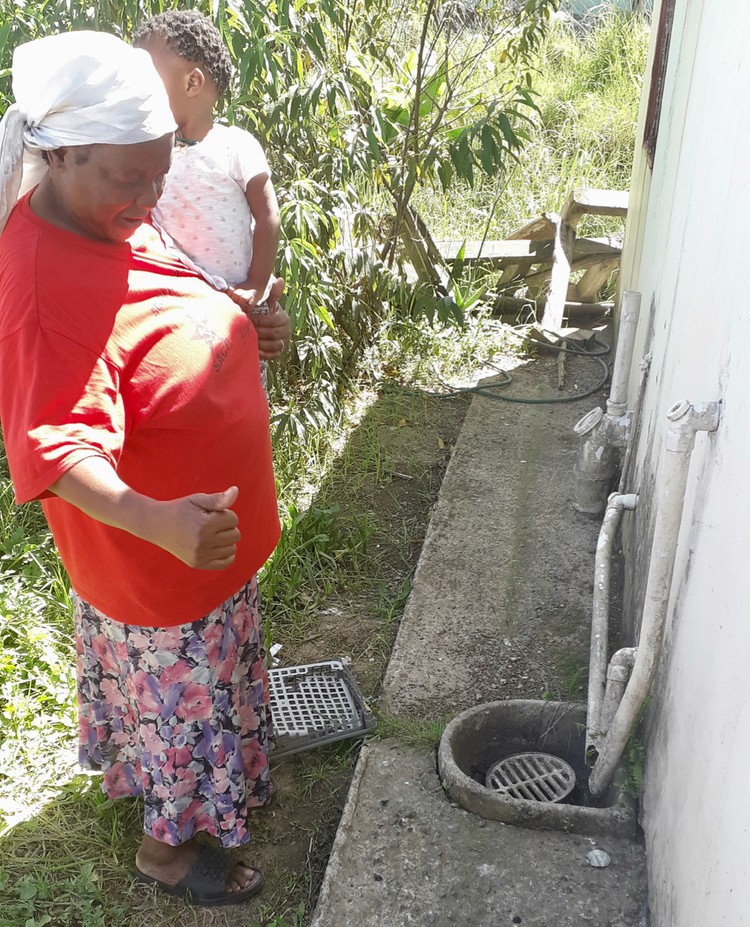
x=273, y=332
x=199, y=529
x=274, y=327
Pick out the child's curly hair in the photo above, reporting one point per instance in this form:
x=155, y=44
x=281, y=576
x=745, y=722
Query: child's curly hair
x=193, y=37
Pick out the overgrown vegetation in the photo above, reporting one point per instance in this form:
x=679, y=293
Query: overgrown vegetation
x=353, y=143
x=588, y=86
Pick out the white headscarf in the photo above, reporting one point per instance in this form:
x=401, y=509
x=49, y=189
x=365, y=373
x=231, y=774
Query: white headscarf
x=76, y=88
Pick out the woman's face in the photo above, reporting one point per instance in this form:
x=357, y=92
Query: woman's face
x=107, y=191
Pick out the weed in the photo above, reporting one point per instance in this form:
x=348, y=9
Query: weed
x=323, y=767
x=313, y=773
x=293, y=918
x=419, y=354
x=318, y=546
x=421, y=733
x=587, y=89
x=62, y=863
x=633, y=761
x=575, y=683
x=391, y=605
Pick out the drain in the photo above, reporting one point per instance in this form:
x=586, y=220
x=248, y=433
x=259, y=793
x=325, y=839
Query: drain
x=532, y=777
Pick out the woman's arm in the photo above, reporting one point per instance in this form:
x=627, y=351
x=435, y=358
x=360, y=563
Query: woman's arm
x=200, y=529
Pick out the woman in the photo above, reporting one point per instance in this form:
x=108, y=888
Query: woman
x=132, y=406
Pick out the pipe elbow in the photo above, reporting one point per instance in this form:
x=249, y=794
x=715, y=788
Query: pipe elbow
x=588, y=422
x=624, y=657
x=686, y=419
x=619, y=501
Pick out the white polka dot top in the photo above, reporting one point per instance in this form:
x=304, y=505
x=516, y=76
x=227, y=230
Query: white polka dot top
x=204, y=208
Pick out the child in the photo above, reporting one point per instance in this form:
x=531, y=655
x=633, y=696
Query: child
x=218, y=205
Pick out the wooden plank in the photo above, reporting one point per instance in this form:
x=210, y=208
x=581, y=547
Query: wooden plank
x=562, y=255
x=512, y=273
x=573, y=308
x=541, y=229
x=421, y=250
x=504, y=249
x=512, y=305
x=520, y=251
x=593, y=202
x=585, y=247
x=540, y=277
x=592, y=281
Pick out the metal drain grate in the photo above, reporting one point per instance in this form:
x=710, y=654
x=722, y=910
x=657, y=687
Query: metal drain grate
x=532, y=777
x=315, y=704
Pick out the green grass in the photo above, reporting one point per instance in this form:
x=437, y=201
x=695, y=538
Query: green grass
x=64, y=867
x=37, y=711
x=318, y=545
x=295, y=919
x=587, y=89
x=411, y=733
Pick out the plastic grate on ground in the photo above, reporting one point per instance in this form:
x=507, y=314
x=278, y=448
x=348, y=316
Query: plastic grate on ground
x=532, y=777
x=315, y=704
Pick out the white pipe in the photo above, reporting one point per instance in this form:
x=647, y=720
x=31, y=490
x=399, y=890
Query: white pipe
x=601, y=436
x=616, y=505
x=634, y=424
x=595, y=462
x=630, y=309
x=686, y=421
x=620, y=667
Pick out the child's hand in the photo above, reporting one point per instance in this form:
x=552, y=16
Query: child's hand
x=246, y=299
x=273, y=328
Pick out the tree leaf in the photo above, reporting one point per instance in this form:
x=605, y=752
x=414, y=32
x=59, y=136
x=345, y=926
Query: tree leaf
x=372, y=142
x=507, y=130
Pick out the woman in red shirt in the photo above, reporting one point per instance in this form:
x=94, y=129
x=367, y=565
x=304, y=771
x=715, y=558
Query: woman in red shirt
x=132, y=406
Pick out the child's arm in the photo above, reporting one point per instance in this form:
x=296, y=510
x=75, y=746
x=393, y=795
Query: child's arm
x=261, y=198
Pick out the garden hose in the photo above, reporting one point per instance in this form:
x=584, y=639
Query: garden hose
x=491, y=390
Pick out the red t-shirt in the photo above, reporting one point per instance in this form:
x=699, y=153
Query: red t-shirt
x=117, y=350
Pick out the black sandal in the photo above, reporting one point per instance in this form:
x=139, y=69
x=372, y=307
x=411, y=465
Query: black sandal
x=206, y=883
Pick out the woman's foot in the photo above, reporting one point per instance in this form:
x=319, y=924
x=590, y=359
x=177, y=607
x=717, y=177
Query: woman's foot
x=169, y=865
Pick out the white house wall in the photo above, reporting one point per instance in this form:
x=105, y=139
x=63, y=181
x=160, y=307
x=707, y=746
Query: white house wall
x=687, y=252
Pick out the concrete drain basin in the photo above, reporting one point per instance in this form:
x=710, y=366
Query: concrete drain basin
x=479, y=738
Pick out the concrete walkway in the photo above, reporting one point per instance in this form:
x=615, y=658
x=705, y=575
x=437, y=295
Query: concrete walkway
x=499, y=609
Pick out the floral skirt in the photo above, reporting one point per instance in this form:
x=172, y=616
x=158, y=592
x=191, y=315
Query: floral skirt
x=179, y=716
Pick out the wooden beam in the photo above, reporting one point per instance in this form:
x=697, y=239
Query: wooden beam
x=591, y=202
x=592, y=281
x=562, y=255
x=520, y=251
x=421, y=251
x=540, y=277
x=542, y=229
x=576, y=308
x=504, y=249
